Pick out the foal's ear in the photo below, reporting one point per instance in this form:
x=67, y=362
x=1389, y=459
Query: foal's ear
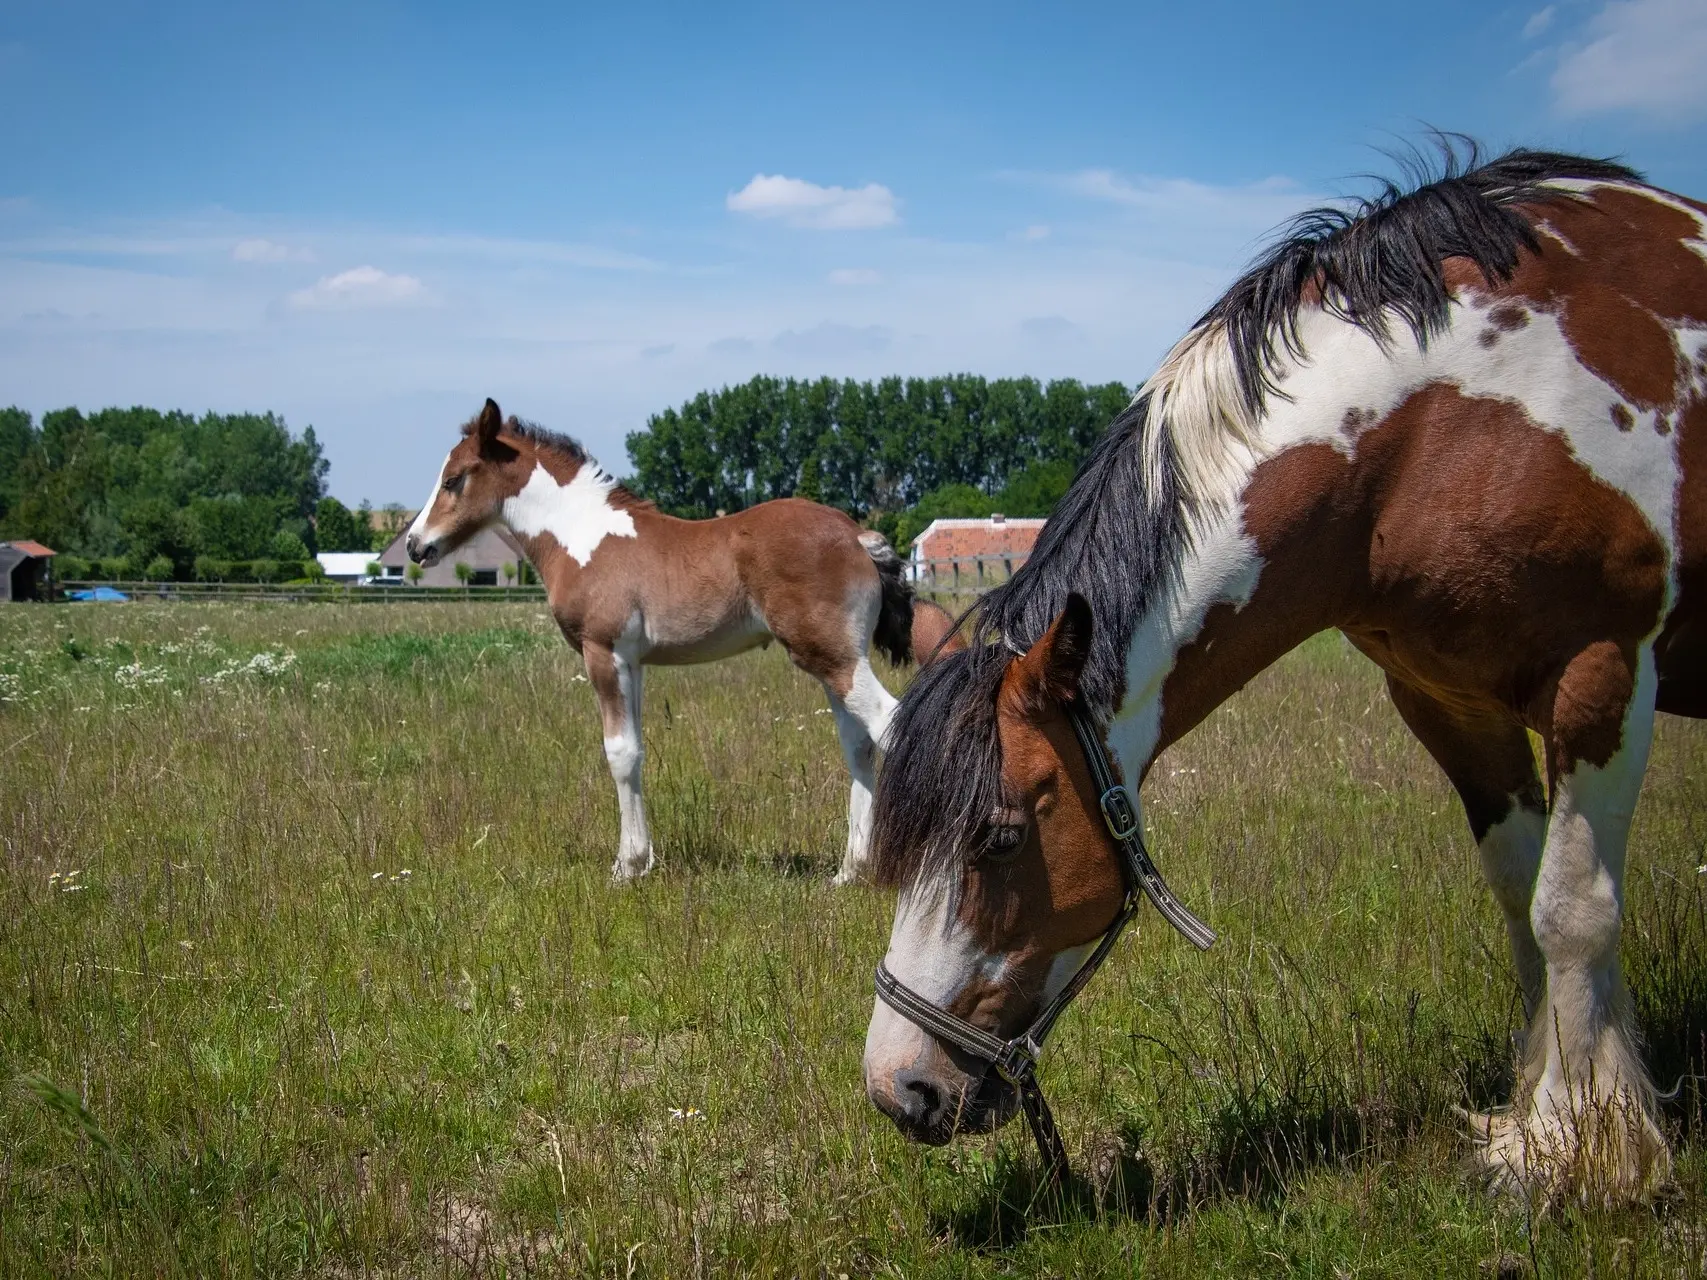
x=1056, y=662
x=486, y=425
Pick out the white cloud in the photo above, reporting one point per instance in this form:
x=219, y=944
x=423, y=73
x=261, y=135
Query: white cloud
x=257, y=250
x=1037, y=231
x=1539, y=21
x=828, y=341
x=359, y=287
x=854, y=276
x=805, y=204
x=1181, y=196
x=1646, y=56
x=528, y=252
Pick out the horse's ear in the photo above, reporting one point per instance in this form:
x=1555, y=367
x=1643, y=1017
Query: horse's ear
x=491, y=418
x=1056, y=661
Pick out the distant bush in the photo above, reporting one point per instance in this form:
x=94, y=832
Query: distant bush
x=238, y=571
x=266, y=570
x=115, y=568
x=70, y=569
x=158, y=569
x=287, y=546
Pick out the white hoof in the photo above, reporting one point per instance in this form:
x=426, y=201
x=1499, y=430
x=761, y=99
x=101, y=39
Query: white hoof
x=624, y=870
x=1598, y=1151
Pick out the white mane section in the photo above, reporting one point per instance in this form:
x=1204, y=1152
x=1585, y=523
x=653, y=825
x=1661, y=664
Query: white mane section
x=580, y=514
x=1196, y=398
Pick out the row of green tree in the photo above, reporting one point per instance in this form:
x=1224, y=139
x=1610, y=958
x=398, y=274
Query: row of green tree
x=141, y=493
x=886, y=452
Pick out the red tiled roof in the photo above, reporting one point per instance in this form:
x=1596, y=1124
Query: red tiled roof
x=32, y=548
x=958, y=539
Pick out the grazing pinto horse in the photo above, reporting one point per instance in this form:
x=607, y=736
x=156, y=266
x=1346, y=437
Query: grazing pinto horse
x=630, y=585
x=1466, y=426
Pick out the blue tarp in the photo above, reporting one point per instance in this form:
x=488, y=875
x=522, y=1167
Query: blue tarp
x=96, y=593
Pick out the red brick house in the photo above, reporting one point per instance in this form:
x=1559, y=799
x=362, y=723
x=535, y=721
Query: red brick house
x=965, y=555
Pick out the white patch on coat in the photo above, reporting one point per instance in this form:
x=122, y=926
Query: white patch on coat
x=580, y=514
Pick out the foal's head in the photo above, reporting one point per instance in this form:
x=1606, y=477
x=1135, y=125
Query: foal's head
x=987, y=819
x=489, y=465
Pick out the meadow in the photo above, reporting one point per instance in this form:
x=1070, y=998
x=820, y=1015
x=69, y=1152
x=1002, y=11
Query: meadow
x=309, y=964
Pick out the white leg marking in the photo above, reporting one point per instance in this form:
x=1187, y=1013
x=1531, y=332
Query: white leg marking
x=1586, y=1127
x=626, y=754
x=1511, y=855
x=869, y=702
x=860, y=752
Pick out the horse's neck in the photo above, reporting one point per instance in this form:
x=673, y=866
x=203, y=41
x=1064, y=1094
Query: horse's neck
x=1273, y=564
x=561, y=524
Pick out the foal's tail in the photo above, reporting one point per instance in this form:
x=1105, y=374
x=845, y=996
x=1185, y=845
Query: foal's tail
x=894, y=634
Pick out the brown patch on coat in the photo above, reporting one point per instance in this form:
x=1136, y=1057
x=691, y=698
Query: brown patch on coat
x=1463, y=547
x=1508, y=317
x=1622, y=418
x=1632, y=274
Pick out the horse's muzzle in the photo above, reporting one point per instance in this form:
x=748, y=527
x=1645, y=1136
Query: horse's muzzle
x=422, y=553
x=924, y=1111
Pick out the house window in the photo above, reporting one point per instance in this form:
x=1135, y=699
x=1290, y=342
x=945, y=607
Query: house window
x=394, y=571
x=484, y=578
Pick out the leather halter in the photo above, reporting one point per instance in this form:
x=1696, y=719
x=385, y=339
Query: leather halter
x=1015, y=1059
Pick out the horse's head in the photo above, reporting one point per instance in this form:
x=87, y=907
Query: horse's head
x=487, y=467
x=987, y=820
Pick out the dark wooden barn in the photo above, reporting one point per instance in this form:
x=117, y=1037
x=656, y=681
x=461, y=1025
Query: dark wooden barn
x=25, y=570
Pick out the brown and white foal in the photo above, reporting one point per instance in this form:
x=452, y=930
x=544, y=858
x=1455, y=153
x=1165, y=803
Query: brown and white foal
x=630, y=585
x=1467, y=428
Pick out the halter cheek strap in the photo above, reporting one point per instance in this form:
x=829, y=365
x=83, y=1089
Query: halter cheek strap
x=1015, y=1060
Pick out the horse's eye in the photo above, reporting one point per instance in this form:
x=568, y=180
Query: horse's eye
x=453, y=486
x=1003, y=840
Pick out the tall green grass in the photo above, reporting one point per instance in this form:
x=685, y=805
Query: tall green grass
x=309, y=964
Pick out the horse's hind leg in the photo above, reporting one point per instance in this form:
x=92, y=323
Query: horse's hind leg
x=1586, y=1129
x=860, y=752
x=862, y=718
x=616, y=679
x=1489, y=762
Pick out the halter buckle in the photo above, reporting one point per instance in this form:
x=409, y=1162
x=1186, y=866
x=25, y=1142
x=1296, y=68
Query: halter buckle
x=1018, y=1060
x=1119, y=813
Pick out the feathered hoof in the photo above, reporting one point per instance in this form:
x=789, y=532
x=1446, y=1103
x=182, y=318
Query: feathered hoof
x=624, y=871
x=1594, y=1151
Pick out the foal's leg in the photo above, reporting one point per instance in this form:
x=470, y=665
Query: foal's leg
x=1489, y=762
x=617, y=681
x=860, y=752
x=1586, y=1129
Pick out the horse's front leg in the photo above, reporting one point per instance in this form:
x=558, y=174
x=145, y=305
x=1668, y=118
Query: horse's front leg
x=616, y=679
x=1586, y=1129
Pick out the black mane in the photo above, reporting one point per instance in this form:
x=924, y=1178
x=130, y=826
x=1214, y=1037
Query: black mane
x=1387, y=252
x=557, y=442
x=1117, y=538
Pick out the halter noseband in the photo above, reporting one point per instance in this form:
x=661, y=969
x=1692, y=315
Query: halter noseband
x=1015, y=1060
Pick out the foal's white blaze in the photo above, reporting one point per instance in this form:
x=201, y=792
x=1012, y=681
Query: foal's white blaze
x=580, y=514
x=418, y=526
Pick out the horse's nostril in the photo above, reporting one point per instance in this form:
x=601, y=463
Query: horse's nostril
x=920, y=1100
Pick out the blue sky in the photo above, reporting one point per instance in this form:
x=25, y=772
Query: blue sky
x=370, y=216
